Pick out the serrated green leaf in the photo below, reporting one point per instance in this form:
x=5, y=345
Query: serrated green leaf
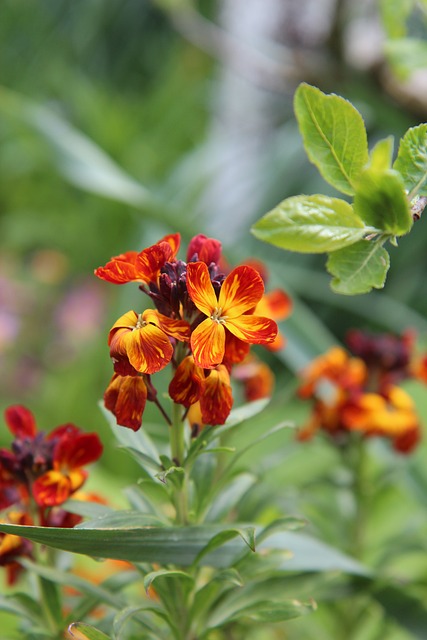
x=381, y=201
x=381, y=155
x=334, y=136
x=311, y=224
x=84, y=631
x=411, y=161
x=359, y=268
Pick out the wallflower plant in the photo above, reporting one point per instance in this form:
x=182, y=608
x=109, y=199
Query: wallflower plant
x=205, y=560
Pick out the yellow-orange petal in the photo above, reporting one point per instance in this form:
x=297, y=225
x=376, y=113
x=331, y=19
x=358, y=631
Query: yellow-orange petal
x=51, y=489
x=275, y=304
x=200, y=289
x=235, y=350
x=120, y=269
x=253, y=329
x=173, y=240
x=149, y=262
x=178, y=329
x=217, y=399
x=240, y=292
x=128, y=320
x=148, y=348
x=188, y=383
x=208, y=344
x=126, y=397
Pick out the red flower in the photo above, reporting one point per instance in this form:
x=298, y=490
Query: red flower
x=144, y=266
x=126, y=397
x=188, y=383
x=203, y=249
x=240, y=292
x=217, y=399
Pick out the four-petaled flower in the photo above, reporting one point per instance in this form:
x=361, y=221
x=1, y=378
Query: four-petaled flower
x=240, y=292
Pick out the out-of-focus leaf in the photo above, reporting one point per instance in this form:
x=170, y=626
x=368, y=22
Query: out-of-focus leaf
x=247, y=534
x=381, y=201
x=167, y=573
x=359, y=268
x=394, y=14
x=84, y=631
x=87, y=509
x=411, y=161
x=21, y=605
x=311, y=224
x=287, y=523
x=381, y=155
x=229, y=496
x=334, y=136
x=406, y=55
x=310, y=554
x=57, y=576
x=409, y=611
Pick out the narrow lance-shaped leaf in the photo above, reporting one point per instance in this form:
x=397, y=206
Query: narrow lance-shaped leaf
x=359, y=268
x=83, y=631
x=311, y=224
x=334, y=136
x=411, y=161
x=381, y=201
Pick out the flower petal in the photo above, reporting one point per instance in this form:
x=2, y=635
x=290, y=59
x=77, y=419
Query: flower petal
x=208, y=343
x=20, y=421
x=240, y=292
x=204, y=249
x=178, y=329
x=217, y=399
x=200, y=289
x=126, y=397
x=51, y=489
x=75, y=451
x=120, y=269
x=235, y=350
x=188, y=383
x=275, y=304
x=253, y=329
x=148, y=348
x=151, y=260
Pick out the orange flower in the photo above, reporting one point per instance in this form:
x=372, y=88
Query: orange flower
x=374, y=414
x=72, y=451
x=276, y=305
x=126, y=397
x=217, y=399
x=257, y=378
x=188, y=383
x=143, y=339
x=240, y=292
x=335, y=366
x=144, y=266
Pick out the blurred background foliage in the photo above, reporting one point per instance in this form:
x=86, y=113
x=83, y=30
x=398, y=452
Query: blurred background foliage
x=123, y=120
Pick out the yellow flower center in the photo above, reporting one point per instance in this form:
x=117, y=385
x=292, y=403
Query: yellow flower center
x=140, y=322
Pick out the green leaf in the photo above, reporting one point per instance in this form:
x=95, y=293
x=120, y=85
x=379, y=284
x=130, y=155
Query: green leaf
x=406, y=55
x=83, y=631
x=394, y=14
x=359, y=268
x=176, y=545
x=411, y=161
x=381, y=201
x=22, y=606
x=311, y=224
x=334, y=136
x=381, y=155
x=166, y=573
x=246, y=534
x=123, y=518
x=266, y=611
x=229, y=496
x=406, y=609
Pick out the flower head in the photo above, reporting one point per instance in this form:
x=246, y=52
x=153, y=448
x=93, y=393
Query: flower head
x=240, y=292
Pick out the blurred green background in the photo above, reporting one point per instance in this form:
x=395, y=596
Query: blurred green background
x=123, y=120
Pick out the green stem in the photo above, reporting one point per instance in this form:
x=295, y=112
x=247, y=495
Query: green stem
x=357, y=533
x=177, y=442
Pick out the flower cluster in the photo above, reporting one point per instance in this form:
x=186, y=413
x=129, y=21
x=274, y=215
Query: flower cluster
x=203, y=324
x=359, y=392
x=37, y=475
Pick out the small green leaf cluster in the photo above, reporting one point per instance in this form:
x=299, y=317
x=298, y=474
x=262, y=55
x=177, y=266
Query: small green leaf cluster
x=383, y=193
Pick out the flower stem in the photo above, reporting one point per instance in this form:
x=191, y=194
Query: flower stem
x=177, y=435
